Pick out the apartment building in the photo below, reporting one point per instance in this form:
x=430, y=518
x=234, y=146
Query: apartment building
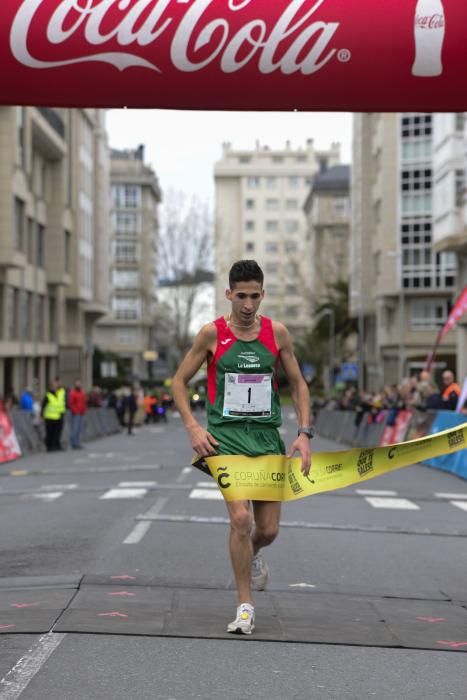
x=401, y=286
x=327, y=210
x=260, y=196
x=129, y=327
x=53, y=227
x=450, y=207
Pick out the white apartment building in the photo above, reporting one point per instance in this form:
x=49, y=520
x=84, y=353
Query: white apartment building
x=450, y=207
x=259, y=214
x=53, y=247
x=128, y=329
x=401, y=286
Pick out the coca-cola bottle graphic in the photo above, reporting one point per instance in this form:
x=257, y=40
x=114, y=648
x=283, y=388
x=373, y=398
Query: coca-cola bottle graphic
x=430, y=28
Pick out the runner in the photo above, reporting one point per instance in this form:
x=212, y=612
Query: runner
x=242, y=351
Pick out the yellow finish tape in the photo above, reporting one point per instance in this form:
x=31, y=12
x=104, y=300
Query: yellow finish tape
x=279, y=478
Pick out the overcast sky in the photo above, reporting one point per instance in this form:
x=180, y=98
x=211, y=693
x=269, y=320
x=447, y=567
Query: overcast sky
x=182, y=147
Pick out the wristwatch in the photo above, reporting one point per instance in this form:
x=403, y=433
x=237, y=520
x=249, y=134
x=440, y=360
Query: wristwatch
x=307, y=430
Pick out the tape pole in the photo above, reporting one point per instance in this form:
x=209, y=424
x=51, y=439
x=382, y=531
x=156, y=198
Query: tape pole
x=278, y=478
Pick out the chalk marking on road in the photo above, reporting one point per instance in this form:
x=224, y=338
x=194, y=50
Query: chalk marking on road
x=452, y=496
x=373, y=492
x=206, y=494
x=391, y=503
x=18, y=678
x=460, y=504
x=112, y=494
x=141, y=528
x=138, y=532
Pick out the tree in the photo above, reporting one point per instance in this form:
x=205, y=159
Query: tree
x=185, y=257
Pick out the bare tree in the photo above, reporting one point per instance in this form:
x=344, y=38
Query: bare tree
x=185, y=255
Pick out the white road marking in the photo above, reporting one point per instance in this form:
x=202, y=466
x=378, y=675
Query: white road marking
x=372, y=492
x=452, y=496
x=181, y=477
x=59, y=487
x=45, y=497
x=301, y=585
x=137, y=484
x=156, y=508
x=460, y=504
x=207, y=494
x=206, y=485
x=123, y=493
x=392, y=503
x=138, y=532
x=18, y=678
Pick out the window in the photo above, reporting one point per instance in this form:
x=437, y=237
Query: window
x=291, y=225
x=125, y=279
x=272, y=290
x=19, y=222
x=429, y=314
x=52, y=319
x=39, y=318
x=253, y=182
x=128, y=223
x=31, y=227
x=291, y=289
x=460, y=122
x=271, y=183
x=250, y=204
x=460, y=188
x=277, y=159
x=20, y=111
x=12, y=312
x=67, y=252
x=127, y=336
x=302, y=158
x=40, y=245
x=272, y=247
x=127, y=308
x=249, y=225
x=419, y=150
x=244, y=159
x=127, y=196
x=291, y=247
x=291, y=204
x=272, y=204
x=249, y=247
x=272, y=268
x=341, y=207
x=416, y=125
x=126, y=252
x=293, y=182
x=291, y=311
x=272, y=226
x=416, y=180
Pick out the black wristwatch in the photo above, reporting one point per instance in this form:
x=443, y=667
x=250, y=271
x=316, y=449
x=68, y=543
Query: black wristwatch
x=307, y=430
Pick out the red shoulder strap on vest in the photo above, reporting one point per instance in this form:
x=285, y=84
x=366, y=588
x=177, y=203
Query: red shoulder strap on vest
x=266, y=335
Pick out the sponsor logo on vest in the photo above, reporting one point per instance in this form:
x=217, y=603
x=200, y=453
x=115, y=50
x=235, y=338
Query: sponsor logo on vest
x=248, y=360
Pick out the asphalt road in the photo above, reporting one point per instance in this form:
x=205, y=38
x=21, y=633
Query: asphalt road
x=110, y=509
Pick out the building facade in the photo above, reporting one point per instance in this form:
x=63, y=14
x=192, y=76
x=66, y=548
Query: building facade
x=401, y=286
x=129, y=327
x=53, y=248
x=259, y=214
x=327, y=210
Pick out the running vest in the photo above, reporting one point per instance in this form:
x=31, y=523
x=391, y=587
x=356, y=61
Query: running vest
x=242, y=383
x=53, y=409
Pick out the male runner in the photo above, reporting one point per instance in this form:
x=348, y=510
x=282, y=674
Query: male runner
x=242, y=352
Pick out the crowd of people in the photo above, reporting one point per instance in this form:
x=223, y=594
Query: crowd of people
x=418, y=392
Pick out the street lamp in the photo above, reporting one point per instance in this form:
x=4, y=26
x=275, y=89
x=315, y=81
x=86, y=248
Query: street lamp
x=397, y=254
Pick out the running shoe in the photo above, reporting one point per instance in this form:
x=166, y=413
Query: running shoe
x=259, y=573
x=244, y=623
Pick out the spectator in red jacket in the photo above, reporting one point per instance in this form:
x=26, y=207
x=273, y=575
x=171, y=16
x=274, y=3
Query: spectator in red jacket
x=78, y=405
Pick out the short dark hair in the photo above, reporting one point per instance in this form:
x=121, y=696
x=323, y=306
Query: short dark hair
x=245, y=271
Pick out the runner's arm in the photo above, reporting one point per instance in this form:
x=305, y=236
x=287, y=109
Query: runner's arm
x=202, y=442
x=300, y=396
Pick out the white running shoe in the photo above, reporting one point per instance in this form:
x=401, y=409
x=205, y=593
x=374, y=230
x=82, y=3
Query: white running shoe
x=244, y=623
x=259, y=573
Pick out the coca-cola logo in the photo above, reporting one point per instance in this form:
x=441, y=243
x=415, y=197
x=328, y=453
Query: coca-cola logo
x=126, y=33
x=430, y=21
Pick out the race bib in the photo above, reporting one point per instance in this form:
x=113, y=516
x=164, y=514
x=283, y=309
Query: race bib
x=247, y=395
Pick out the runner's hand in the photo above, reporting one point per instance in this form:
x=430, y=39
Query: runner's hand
x=302, y=445
x=203, y=443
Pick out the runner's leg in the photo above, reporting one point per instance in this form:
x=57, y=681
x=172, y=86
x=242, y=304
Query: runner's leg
x=267, y=516
x=240, y=547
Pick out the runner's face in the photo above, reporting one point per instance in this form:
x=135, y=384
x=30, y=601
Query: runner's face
x=245, y=298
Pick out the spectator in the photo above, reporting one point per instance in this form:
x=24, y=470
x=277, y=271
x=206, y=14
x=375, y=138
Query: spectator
x=78, y=407
x=451, y=392
x=61, y=393
x=52, y=414
x=26, y=402
x=130, y=405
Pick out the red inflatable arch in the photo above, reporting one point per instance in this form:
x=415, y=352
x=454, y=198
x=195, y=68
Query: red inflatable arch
x=352, y=55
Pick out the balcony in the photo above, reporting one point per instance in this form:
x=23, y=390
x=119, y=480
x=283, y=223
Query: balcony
x=54, y=120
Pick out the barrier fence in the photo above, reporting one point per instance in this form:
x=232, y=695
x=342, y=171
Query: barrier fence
x=98, y=422
x=363, y=430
